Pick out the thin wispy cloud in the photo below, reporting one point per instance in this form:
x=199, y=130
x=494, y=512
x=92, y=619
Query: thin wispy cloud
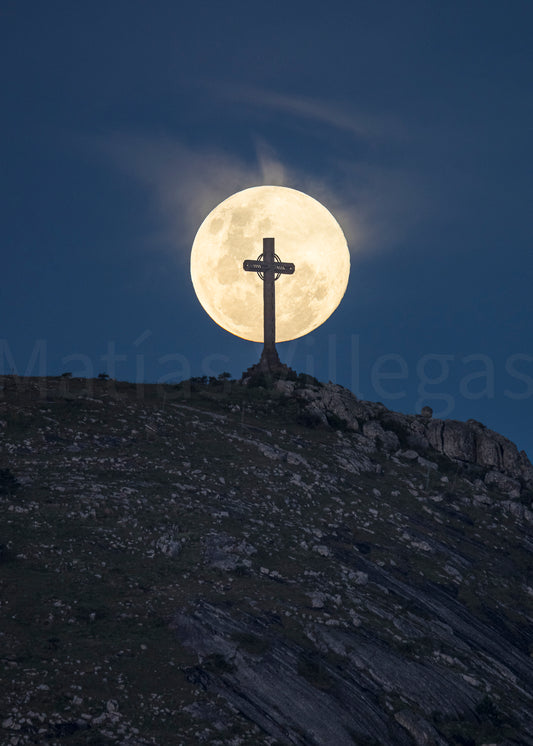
x=184, y=184
x=373, y=205
x=360, y=124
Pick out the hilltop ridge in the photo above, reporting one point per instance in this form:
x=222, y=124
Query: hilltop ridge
x=470, y=443
x=221, y=564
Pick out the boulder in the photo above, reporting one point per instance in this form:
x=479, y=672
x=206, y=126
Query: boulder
x=503, y=483
x=316, y=414
x=410, y=455
x=518, y=510
x=330, y=401
x=386, y=438
x=284, y=387
x=308, y=393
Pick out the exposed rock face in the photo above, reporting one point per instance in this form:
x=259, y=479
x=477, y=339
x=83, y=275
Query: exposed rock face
x=453, y=439
x=466, y=442
x=331, y=401
x=474, y=443
x=270, y=689
x=306, y=695
x=423, y=733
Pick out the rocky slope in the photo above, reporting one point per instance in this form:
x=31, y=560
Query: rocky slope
x=222, y=564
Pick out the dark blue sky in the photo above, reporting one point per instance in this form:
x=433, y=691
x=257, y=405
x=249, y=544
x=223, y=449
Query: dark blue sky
x=124, y=123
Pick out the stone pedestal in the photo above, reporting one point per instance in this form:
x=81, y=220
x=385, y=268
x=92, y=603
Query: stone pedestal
x=269, y=365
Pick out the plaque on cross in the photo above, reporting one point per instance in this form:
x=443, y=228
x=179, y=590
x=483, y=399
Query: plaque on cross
x=269, y=267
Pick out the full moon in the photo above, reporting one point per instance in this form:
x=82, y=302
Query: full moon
x=305, y=233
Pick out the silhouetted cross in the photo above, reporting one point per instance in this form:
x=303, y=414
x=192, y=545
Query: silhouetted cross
x=269, y=267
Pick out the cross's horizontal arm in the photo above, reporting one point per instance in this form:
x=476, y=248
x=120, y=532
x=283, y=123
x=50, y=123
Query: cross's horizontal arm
x=283, y=268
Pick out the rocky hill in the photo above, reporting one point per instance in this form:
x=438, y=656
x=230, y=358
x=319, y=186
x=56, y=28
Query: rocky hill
x=216, y=563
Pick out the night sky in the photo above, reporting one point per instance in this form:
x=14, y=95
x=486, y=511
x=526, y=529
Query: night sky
x=125, y=122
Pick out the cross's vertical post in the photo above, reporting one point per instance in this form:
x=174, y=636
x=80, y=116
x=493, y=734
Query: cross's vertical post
x=269, y=267
x=269, y=297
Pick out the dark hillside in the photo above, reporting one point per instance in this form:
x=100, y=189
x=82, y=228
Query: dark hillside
x=221, y=564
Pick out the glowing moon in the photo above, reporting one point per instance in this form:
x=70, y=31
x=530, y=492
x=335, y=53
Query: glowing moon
x=305, y=233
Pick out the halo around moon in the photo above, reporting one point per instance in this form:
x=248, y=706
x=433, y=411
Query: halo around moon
x=305, y=233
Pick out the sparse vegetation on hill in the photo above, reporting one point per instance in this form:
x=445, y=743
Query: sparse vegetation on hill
x=276, y=564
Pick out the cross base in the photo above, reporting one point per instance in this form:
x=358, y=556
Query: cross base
x=269, y=365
